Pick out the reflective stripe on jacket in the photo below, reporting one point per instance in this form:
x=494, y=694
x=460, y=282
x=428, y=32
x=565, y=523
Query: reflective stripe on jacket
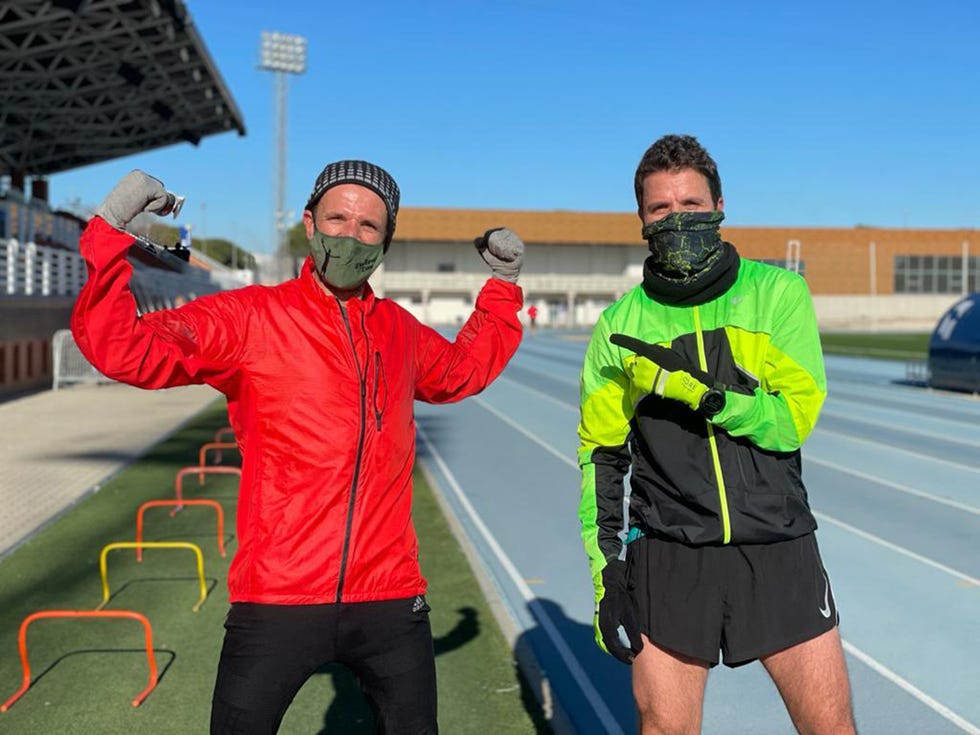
x=320, y=395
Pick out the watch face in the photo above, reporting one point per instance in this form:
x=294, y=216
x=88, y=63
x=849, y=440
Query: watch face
x=713, y=402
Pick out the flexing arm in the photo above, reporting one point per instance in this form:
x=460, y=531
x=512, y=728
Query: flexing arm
x=450, y=371
x=167, y=348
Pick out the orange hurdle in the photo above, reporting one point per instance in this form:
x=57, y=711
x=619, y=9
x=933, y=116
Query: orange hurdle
x=219, y=436
x=202, y=454
x=158, y=503
x=201, y=471
x=22, y=645
x=152, y=545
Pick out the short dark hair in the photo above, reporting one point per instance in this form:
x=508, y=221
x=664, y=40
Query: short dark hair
x=673, y=153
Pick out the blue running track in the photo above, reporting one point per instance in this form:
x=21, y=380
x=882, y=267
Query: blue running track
x=893, y=474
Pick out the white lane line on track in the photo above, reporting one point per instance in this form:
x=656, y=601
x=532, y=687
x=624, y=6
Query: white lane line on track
x=907, y=397
x=581, y=678
x=898, y=549
x=907, y=452
x=830, y=519
x=535, y=391
x=902, y=430
x=808, y=457
x=517, y=427
x=863, y=657
x=944, y=711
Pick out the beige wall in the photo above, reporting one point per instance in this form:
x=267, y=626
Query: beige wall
x=837, y=260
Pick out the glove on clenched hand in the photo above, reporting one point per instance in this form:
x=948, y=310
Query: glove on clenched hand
x=136, y=192
x=503, y=251
x=662, y=371
x=617, y=631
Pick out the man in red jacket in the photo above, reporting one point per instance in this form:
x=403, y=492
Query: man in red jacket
x=321, y=378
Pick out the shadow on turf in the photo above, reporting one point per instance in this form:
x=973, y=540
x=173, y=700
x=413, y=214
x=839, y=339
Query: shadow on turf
x=350, y=714
x=209, y=584
x=158, y=653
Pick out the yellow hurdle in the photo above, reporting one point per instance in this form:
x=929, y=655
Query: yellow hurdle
x=151, y=545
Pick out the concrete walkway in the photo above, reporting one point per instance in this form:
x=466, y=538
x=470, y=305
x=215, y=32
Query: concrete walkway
x=58, y=446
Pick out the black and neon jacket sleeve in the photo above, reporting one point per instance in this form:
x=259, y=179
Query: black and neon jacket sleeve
x=783, y=410
x=603, y=455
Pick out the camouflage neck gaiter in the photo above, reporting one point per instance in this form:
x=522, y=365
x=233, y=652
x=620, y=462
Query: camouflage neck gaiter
x=684, y=244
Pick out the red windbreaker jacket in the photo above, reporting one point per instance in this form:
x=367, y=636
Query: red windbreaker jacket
x=320, y=395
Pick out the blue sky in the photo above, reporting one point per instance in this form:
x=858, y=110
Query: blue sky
x=831, y=113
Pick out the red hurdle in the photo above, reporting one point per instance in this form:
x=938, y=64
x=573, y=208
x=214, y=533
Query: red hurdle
x=22, y=645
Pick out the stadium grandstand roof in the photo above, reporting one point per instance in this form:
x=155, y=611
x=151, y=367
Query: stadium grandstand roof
x=84, y=81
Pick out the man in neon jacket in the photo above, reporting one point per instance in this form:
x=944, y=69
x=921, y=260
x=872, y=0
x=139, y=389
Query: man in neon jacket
x=320, y=377
x=698, y=389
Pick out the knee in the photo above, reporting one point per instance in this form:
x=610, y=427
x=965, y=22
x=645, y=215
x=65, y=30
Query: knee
x=656, y=720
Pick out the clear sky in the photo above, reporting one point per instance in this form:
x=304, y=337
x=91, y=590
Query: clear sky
x=831, y=113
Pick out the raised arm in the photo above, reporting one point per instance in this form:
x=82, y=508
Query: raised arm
x=171, y=347
x=451, y=370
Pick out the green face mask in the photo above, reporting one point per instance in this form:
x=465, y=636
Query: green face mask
x=683, y=244
x=344, y=262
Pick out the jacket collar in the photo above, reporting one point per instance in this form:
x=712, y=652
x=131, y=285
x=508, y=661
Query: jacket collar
x=312, y=286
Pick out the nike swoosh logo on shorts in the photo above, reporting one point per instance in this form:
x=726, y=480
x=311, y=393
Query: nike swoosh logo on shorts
x=825, y=610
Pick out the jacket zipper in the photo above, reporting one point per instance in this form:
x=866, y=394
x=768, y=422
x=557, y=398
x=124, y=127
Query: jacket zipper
x=726, y=524
x=379, y=379
x=357, y=461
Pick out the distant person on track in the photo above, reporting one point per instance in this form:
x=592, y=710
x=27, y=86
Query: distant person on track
x=532, y=315
x=321, y=377
x=698, y=389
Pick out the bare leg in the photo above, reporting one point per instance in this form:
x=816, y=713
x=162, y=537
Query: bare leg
x=812, y=680
x=669, y=691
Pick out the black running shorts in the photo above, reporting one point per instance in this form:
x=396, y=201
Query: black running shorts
x=747, y=601
x=271, y=650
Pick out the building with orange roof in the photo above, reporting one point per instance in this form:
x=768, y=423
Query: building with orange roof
x=579, y=262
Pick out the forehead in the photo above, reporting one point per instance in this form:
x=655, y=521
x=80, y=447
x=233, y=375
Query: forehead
x=684, y=182
x=352, y=198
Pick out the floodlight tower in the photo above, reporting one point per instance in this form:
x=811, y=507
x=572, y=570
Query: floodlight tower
x=282, y=53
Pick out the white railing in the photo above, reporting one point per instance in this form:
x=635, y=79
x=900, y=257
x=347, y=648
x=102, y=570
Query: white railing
x=37, y=270
x=531, y=283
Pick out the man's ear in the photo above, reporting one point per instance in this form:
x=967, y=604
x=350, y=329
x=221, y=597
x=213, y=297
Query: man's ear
x=308, y=224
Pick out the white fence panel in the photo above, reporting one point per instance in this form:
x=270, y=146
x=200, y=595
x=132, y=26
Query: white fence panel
x=69, y=364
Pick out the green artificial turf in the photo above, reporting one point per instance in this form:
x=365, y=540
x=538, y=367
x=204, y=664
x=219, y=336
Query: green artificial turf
x=884, y=345
x=86, y=672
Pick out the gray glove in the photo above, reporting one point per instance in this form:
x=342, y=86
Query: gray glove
x=503, y=251
x=137, y=192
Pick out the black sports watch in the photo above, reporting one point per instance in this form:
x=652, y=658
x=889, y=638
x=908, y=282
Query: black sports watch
x=712, y=402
